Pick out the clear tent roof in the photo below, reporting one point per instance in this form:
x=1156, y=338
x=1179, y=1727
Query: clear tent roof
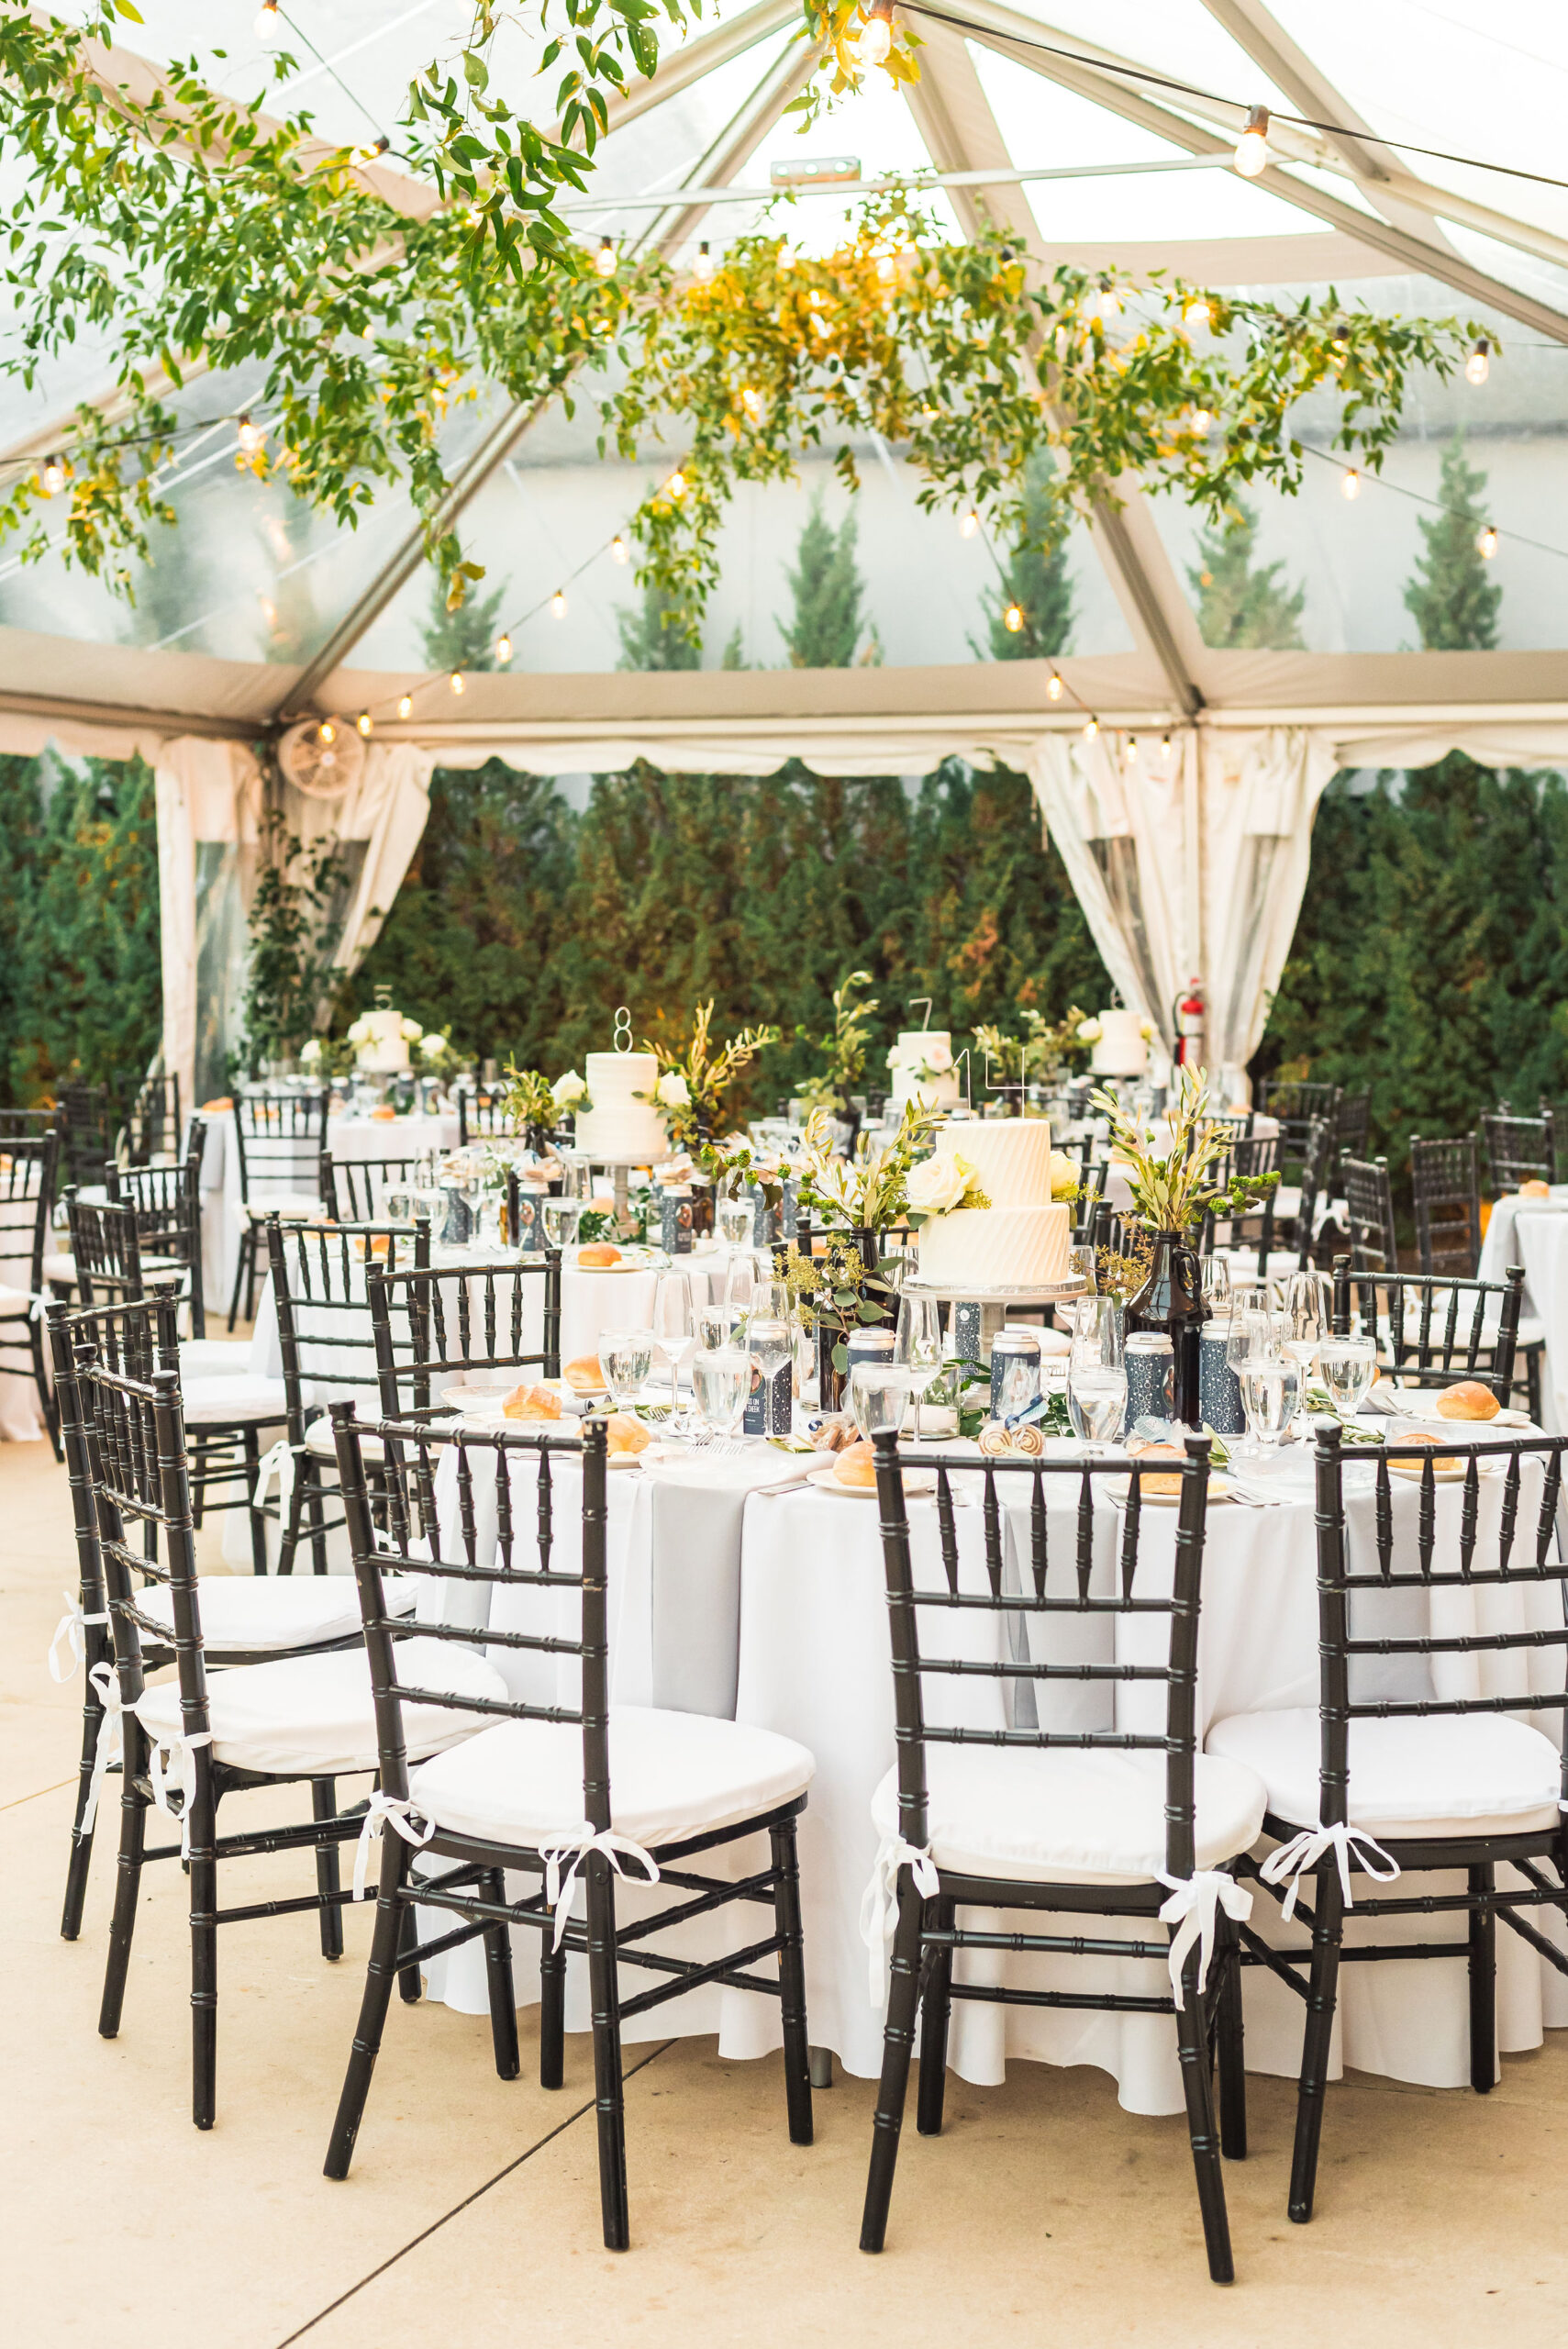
x=252, y=575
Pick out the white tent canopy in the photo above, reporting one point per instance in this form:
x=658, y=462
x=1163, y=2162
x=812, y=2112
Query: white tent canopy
x=1189, y=858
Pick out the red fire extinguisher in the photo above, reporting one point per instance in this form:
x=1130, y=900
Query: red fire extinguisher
x=1190, y=1015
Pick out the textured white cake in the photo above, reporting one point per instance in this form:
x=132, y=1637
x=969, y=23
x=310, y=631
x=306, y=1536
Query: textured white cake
x=384, y=1051
x=920, y=1065
x=1121, y=1051
x=618, y=1125
x=1020, y=1241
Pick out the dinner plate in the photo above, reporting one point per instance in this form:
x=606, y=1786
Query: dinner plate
x=1219, y=1489
x=1411, y=1470
x=916, y=1482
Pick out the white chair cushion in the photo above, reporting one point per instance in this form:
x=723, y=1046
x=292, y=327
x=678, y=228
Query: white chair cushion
x=214, y=1357
x=1531, y=1331
x=1467, y=1773
x=295, y=1207
x=278, y=1611
x=313, y=1714
x=15, y=1303
x=1287, y=1201
x=671, y=1774
x=227, y=1400
x=61, y=1269
x=1066, y=1816
x=320, y=1443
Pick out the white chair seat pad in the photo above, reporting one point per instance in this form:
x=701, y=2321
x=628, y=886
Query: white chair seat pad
x=671, y=1774
x=215, y=1357
x=313, y=1714
x=293, y=1206
x=223, y=1399
x=1531, y=1331
x=1468, y=1773
x=62, y=1270
x=272, y=1611
x=1287, y=1201
x=1066, y=1816
x=321, y=1445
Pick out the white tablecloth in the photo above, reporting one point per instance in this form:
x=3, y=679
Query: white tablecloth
x=812, y=1662
x=1534, y=1233
x=20, y=1419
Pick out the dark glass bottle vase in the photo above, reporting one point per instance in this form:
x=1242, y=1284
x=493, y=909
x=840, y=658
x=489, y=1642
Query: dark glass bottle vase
x=1170, y=1300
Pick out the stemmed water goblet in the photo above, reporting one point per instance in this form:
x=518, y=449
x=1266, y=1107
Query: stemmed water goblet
x=918, y=1346
x=674, y=1323
x=1097, y=1372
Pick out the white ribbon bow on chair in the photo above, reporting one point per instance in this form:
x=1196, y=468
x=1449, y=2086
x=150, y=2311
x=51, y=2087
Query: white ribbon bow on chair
x=1302, y=1853
x=392, y=1810
x=1194, y=1908
x=559, y=1889
x=278, y=1462
x=879, y=1904
x=111, y=1741
x=69, y=1628
x=177, y=1741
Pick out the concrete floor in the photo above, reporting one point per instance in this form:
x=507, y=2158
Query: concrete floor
x=471, y=2214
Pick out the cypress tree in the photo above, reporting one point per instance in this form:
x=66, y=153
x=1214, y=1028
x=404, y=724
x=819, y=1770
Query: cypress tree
x=1035, y=578
x=465, y=638
x=1453, y=596
x=825, y=632
x=651, y=636
x=1238, y=605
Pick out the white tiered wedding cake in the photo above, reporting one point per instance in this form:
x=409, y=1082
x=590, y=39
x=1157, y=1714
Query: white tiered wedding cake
x=921, y=1067
x=1020, y=1241
x=618, y=1125
x=1120, y=1049
x=382, y=1042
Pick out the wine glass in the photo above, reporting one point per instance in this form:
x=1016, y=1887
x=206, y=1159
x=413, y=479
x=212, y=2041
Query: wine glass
x=1308, y=1310
x=736, y=1221
x=1271, y=1387
x=561, y=1218
x=716, y=1326
x=879, y=1396
x=1097, y=1372
x=918, y=1345
x=626, y=1356
x=722, y=1381
x=1082, y=1267
x=673, y=1325
x=1347, y=1367
x=740, y=1277
x=1216, y=1286
x=1255, y=1336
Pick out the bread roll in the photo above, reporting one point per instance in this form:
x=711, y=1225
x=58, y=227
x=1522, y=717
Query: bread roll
x=531, y=1403
x=585, y=1375
x=1468, y=1401
x=1166, y=1483
x=1535, y=1189
x=857, y=1466
x=597, y=1254
x=626, y=1434
x=1413, y=1467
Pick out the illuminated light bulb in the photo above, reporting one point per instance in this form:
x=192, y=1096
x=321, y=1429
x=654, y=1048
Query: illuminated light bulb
x=1012, y=620
x=619, y=550
x=503, y=648
x=455, y=681
x=364, y=721
x=969, y=525
x=751, y=401
x=1486, y=543
x=269, y=23
x=875, y=37
x=1203, y=420
x=1131, y=753
x=1055, y=690
x=51, y=481
x=927, y=412
x=1091, y=729
x=249, y=435
x=1478, y=366
x=1252, y=146
x=1108, y=303
x=1351, y=484
x=405, y=705
x=1164, y=746
x=368, y=154
x=328, y=732
x=703, y=265
x=1197, y=314
x=605, y=259
x=558, y=604
x=676, y=485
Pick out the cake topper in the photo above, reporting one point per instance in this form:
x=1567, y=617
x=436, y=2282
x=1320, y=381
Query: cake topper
x=623, y=1042
x=913, y=999
x=383, y=998
x=968, y=1095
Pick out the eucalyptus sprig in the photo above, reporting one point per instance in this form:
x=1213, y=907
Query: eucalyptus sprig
x=871, y=1193
x=708, y=1073
x=527, y=1100
x=1170, y=1191
x=845, y=1046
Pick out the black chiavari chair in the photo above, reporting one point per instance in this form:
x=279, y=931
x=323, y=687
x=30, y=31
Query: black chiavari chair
x=300, y=1719
x=1370, y=1783
x=1295, y=1203
x=1251, y=1155
x=1445, y=1184
x=1369, y=1212
x=556, y=1789
x=1432, y=1330
x=328, y=1345
x=354, y=1189
x=27, y=1125
x=979, y=1815
x=480, y=1113
x=1518, y=1150
x=280, y=1138
x=1086, y=1206
x=167, y=1201
x=1555, y=1120
x=1353, y=1127
x=1297, y=1106
x=83, y=1122
x=28, y=1167
x=152, y=1130
x=434, y=1327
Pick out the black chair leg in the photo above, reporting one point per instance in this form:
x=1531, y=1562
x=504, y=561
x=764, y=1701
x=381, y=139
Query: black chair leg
x=936, y=2007
x=551, y=2014
x=387, y=1943
x=81, y=1837
x=1533, y=1381
x=897, y=2047
x=324, y=1806
x=1197, y=2086
x=608, y=2094
x=316, y=1505
x=204, y=1959
x=410, y=1987
x=498, y=1980
x=127, y=1879
x=1482, y=1983
x=46, y=1393
x=791, y=1982
x=1231, y=2054
x=251, y=1446
x=246, y=1244
x=1329, y=1911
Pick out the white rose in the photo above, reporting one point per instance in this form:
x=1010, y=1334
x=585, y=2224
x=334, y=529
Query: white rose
x=672, y=1090
x=432, y=1047
x=1089, y=1031
x=309, y=1053
x=937, y=1185
x=568, y=1090
x=412, y=1032
x=894, y=1056
x=939, y=1054
x=1066, y=1173
x=360, y=1029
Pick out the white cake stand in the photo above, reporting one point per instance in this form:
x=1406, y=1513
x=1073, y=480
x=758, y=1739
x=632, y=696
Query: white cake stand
x=619, y=1171
x=986, y=1309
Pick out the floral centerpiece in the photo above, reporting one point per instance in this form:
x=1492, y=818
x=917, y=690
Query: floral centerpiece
x=923, y=1057
x=694, y=1077
x=845, y=1046
x=1041, y=1049
x=327, y=1057
x=434, y=1049
x=528, y=1105
x=859, y=1201
x=568, y=1094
